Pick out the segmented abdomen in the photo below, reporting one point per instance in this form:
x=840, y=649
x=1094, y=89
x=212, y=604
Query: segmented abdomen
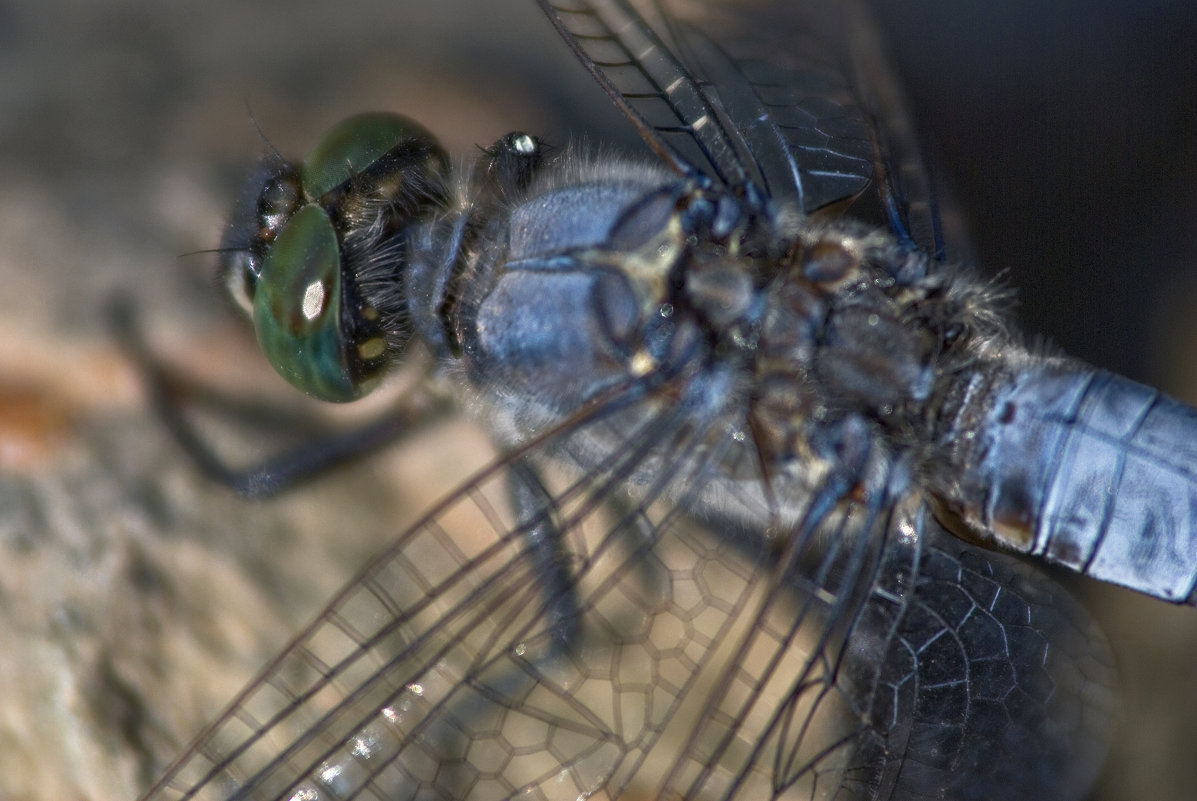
x=1097, y=473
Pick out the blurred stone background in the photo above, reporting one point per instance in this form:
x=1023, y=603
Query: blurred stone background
x=136, y=599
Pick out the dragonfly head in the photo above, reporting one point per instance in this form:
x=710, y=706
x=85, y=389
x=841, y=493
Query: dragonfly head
x=306, y=238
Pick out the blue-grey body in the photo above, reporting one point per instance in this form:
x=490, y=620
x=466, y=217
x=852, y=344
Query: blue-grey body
x=1036, y=454
x=1092, y=472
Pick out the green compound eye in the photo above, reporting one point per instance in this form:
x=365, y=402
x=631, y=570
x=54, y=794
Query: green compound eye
x=297, y=308
x=370, y=177
x=352, y=146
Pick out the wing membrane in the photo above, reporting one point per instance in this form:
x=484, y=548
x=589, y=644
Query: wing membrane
x=435, y=673
x=708, y=664
x=795, y=99
x=652, y=88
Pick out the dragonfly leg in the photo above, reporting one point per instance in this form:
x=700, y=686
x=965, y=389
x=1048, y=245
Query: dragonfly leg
x=301, y=463
x=534, y=505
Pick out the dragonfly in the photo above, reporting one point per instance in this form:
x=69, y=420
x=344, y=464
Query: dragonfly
x=767, y=455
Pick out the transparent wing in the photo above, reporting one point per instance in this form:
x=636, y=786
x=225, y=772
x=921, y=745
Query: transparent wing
x=793, y=98
x=855, y=657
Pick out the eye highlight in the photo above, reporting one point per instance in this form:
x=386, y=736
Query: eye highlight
x=297, y=308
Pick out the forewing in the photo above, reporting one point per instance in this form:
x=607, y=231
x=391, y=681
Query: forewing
x=848, y=658
x=437, y=673
x=793, y=99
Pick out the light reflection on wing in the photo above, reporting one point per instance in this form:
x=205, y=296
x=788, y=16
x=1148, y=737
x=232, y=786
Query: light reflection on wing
x=434, y=674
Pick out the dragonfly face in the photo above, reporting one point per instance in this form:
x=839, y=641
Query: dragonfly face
x=740, y=434
x=303, y=231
